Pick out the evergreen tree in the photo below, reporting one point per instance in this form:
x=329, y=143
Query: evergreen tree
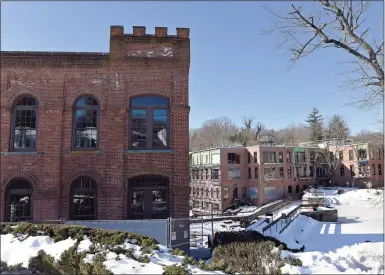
x=337, y=128
x=316, y=129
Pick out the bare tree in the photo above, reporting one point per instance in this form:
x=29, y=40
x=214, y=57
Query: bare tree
x=328, y=157
x=340, y=25
x=292, y=134
x=217, y=132
x=368, y=136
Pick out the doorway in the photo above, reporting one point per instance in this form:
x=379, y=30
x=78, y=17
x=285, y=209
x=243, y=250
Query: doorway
x=148, y=198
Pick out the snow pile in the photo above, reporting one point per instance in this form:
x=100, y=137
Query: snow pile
x=15, y=251
x=354, y=245
x=363, y=258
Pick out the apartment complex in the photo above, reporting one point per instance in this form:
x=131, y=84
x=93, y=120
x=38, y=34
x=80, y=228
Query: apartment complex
x=260, y=174
x=88, y=136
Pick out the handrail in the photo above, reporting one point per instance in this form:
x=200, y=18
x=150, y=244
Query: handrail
x=288, y=215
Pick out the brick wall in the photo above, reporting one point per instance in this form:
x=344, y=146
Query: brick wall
x=56, y=80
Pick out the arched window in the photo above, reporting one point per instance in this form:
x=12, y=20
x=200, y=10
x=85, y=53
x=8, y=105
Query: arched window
x=18, y=201
x=83, y=199
x=85, y=123
x=24, y=124
x=149, y=122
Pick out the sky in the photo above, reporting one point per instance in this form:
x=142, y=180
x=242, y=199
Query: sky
x=235, y=70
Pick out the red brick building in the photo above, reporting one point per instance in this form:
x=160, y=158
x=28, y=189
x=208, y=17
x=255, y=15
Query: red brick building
x=97, y=135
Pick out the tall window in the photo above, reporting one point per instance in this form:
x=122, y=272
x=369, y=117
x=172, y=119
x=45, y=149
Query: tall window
x=18, y=201
x=379, y=170
x=255, y=157
x=373, y=169
x=342, y=170
x=24, y=124
x=341, y=156
x=150, y=122
x=351, y=157
x=256, y=172
x=280, y=157
x=86, y=116
x=269, y=157
x=83, y=199
x=249, y=172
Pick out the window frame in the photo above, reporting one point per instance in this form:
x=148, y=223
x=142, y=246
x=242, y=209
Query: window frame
x=13, y=122
x=74, y=190
x=149, y=123
x=17, y=191
x=74, y=109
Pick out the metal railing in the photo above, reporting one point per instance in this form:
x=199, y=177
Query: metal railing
x=288, y=218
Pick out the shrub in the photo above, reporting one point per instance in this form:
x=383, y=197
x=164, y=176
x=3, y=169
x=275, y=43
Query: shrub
x=188, y=260
x=177, y=252
x=119, y=250
x=247, y=257
x=228, y=237
x=70, y=260
x=175, y=270
x=293, y=261
x=144, y=259
x=98, y=265
x=7, y=229
x=43, y=263
x=129, y=253
x=15, y=267
x=340, y=191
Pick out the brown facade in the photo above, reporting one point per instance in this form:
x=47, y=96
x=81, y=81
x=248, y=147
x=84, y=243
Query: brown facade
x=137, y=65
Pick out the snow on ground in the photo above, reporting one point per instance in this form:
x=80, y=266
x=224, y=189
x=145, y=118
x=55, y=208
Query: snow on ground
x=363, y=258
x=15, y=251
x=354, y=245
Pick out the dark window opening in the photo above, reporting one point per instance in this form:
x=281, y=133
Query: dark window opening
x=243, y=192
x=256, y=172
x=150, y=122
x=290, y=189
x=149, y=197
x=362, y=154
x=379, y=170
x=233, y=158
x=373, y=169
x=249, y=172
x=297, y=189
x=235, y=193
x=280, y=157
x=24, y=125
x=255, y=157
x=281, y=174
x=351, y=156
x=214, y=174
x=248, y=157
x=311, y=172
x=83, y=199
x=289, y=172
x=18, y=201
x=342, y=170
x=341, y=156
x=85, y=124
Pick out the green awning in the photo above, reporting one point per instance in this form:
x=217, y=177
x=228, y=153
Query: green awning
x=299, y=149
